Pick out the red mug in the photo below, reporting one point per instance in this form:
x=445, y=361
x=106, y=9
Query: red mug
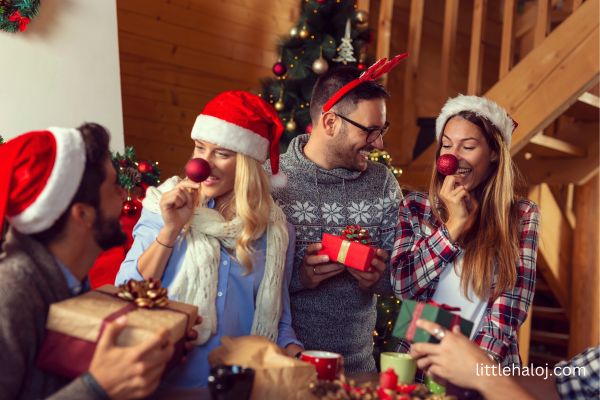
x=328, y=365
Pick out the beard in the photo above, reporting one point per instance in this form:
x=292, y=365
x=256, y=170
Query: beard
x=108, y=232
x=344, y=155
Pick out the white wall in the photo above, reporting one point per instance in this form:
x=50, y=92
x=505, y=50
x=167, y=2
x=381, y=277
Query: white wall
x=63, y=70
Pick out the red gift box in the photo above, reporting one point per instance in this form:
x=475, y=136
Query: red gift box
x=349, y=253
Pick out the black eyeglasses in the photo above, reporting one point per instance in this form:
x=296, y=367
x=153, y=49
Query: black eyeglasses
x=372, y=133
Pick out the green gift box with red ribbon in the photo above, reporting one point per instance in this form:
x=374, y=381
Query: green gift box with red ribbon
x=441, y=314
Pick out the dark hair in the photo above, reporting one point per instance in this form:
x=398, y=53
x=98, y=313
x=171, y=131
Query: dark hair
x=96, y=139
x=332, y=81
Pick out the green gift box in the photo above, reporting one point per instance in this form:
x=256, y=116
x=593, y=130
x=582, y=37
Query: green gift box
x=441, y=314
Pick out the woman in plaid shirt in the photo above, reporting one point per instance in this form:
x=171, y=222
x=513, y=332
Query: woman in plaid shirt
x=477, y=247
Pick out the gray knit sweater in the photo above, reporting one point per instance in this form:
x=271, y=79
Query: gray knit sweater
x=337, y=315
x=30, y=280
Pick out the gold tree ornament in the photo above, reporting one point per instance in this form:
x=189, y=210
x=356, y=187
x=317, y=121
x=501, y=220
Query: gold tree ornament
x=291, y=125
x=362, y=18
x=320, y=65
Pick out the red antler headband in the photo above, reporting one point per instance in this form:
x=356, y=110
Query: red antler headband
x=375, y=71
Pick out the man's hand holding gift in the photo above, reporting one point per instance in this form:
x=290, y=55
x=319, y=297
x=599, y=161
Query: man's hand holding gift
x=317, y=268
x=367, y=279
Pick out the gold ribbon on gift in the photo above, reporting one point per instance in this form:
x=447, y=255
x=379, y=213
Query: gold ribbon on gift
x=343, y=253
x=145, y=294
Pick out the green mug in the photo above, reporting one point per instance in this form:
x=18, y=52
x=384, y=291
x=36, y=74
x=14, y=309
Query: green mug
x=403, y=365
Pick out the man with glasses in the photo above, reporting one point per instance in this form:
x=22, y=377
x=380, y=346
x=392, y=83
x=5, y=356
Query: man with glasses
x=331, y=185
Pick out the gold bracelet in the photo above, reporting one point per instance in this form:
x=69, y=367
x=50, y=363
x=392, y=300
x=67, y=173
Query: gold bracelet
x=162, y=244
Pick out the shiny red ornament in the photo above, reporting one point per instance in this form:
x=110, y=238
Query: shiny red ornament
x=197, y=169
x=145, y=167
x=309, y=128
x=123, y=163
x=130, y=208
x=447, y=164
x=321, y=1
x=361, y=66
x=279, y=68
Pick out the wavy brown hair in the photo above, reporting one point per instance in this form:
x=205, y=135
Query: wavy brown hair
x=491, y=242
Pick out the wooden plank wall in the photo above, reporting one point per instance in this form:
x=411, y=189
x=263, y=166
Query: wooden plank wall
x=177, y=54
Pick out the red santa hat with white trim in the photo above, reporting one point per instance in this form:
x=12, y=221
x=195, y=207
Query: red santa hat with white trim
x=40, y=173
x=244, y=123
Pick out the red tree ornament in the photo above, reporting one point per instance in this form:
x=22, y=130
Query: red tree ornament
x=321, y=1
x=197, y=169
x=145, y=167
x=130, y=208
x=361, y=66
x=279, y=68
x=309, y=128
x=447, y=164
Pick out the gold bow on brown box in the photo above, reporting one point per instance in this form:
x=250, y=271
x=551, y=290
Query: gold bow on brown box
x=145, y=294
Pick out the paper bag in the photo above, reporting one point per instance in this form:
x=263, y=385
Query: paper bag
x=277, y=376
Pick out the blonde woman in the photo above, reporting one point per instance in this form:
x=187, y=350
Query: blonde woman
x=471, y=242
x=232, y=254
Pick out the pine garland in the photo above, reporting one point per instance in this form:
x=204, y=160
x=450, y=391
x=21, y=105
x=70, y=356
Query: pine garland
x=15, y=15
x=134, y=174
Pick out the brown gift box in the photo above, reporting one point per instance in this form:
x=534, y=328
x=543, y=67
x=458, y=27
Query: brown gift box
x=74, y=327
x=277, y=376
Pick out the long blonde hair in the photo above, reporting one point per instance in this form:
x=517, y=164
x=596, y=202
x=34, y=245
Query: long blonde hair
x=252, y=203
x=491, y=243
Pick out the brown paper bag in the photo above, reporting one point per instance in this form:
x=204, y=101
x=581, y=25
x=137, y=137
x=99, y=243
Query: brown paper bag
x=277, y=376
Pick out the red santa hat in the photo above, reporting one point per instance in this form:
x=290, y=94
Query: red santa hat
x=244, y=123
x=481, y=106
x=40, y=172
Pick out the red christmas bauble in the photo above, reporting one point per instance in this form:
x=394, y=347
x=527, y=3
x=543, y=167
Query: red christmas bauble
x=130, y=208
x=197, y=169
x=361, y=66
x=123, y=163
x=279, y=68
x=447, y=164
x=145, y=167
x=321, y=1
x=309, y=128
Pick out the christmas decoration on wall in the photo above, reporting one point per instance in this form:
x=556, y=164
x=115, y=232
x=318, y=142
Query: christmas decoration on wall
x=15, y=15
x=346, y=51
x=308, y=52
x=383, y=157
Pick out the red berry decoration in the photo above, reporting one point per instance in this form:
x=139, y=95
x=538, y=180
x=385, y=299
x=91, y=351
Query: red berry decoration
x=279, y=68
x=130, y=208
x=447, y=164
x=145, y=167
x=197, y=169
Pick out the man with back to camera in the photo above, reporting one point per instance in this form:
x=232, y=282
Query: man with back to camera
x=59, y=192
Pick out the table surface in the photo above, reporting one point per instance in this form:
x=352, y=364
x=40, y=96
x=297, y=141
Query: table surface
x=204, y=394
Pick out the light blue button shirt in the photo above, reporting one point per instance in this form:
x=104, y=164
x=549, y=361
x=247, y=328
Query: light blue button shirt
x=74, y=285
x=236, y=295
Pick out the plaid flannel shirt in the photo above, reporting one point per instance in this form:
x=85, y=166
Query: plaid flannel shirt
x=580, y=378
x=423, y=248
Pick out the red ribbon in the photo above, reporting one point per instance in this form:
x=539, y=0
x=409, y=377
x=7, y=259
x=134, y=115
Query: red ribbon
x=19, y=19
x=443, y=306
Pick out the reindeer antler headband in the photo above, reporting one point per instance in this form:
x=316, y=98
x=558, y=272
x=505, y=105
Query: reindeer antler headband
x=375, y=71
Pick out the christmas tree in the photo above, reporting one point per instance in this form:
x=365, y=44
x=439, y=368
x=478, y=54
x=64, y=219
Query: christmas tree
x=328, y=33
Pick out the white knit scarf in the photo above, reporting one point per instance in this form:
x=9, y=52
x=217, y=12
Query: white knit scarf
x=196, y=281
